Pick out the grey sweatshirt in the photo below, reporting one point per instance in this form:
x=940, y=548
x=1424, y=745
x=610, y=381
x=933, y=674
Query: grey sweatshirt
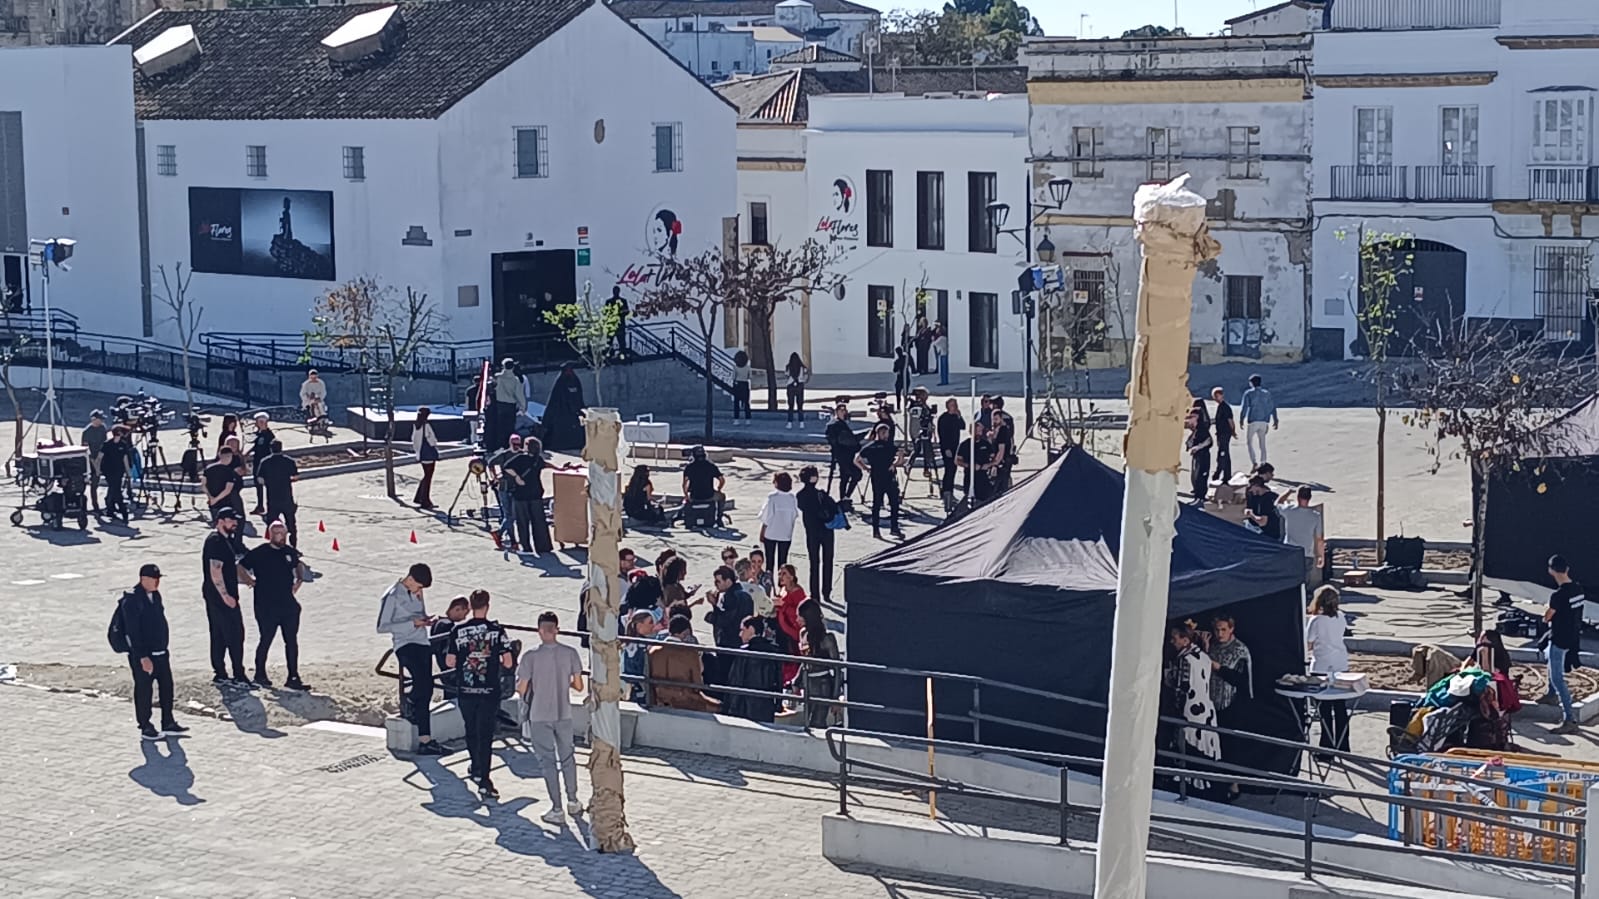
x=397, y=617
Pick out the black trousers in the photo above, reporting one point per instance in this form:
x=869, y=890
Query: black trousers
x=819, y=546
x=532, y=531
x=777, y=552
x=479, y=712
x=270, y=617
x=948, y=484
x=885, y=487
x=1224, y=460
x=416, y=661
x=849, y=475
x=741, y=399
x=285, y=512
x=796, y=402
x=260, y=488
x=144, y=684
x=227, y=637
x=501, y=421
x=116, y=492
x=1199, y=474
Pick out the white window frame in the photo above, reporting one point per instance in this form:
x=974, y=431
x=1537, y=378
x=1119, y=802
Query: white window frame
x=255, y=160
x=1459, y=144
x=541, y=151
x=1163, y=146
x=1569, y=142
x=166, y=159
x=1380, y=151
x=677, y=146
x=1243, y=152
x=1091, y=138
x=354, y=163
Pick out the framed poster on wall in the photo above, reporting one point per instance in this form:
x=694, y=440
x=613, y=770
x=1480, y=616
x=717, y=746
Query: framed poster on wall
x=266, y=233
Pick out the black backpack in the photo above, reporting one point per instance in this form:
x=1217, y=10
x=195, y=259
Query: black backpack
x=117, y=633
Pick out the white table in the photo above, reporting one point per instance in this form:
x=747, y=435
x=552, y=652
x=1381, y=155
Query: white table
x=655, y=433
x=1313, y=697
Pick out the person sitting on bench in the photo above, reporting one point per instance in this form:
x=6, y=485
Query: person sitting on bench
x=702, y=485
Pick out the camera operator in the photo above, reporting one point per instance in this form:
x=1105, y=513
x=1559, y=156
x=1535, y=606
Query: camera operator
x=277, y=474
x=220, y=587
x=114, y=468
x=260, y=448
x=94, y=437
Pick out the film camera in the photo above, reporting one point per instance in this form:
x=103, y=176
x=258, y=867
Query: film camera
x=141, y=414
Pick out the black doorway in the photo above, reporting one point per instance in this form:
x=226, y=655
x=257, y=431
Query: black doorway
x=1429, y=297
x=13, y=283
x=526, y=285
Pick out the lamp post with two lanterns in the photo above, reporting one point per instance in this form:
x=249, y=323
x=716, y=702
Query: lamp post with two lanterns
x=1060, y=189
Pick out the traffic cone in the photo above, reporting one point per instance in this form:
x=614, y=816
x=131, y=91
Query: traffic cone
x=321, y=528
x=335, y=544
x=413, y=536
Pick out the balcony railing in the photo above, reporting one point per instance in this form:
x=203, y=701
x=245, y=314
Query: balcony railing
x=1562, y=183
x=1454, y=183
x=1369, y=182
x=1405, y=15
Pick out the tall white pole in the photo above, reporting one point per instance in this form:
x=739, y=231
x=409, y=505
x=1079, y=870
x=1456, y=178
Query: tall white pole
x=1170, y=222
x=46, y=257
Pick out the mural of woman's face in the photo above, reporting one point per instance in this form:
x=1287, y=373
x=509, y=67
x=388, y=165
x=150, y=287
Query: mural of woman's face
x=659, y=236
x=838, y=198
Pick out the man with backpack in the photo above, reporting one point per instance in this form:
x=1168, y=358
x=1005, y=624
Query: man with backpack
x=139, y=628
x=818, y=512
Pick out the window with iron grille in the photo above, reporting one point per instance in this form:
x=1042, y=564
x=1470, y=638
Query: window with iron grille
x=1243, y=151
x=166, y=159
x=1088, y=309
x=1162, y=154
x=1087, y=144
x=669, y=146
x=255, y=161
x=1560, y=290
x=1243, y=296
x=355, y=163
x=533, y=152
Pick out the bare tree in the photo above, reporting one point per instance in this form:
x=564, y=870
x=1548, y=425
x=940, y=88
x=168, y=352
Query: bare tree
x=1495, y=393
x=589, y=329
x=186, y=315
x=712, y=284
x=385, y=329
x=1384, y=259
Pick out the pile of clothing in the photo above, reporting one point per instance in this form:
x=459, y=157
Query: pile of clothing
x=1470, y=707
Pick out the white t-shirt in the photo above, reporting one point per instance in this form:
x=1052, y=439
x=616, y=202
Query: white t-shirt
x=1325, y=636
x=779, y=513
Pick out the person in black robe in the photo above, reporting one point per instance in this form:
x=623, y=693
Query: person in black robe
x=563, y=427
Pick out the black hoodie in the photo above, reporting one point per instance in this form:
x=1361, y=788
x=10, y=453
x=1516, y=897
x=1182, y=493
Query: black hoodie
x=145, y=622
x=755, y=674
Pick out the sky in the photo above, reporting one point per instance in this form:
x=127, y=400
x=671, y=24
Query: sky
x=1063, y=18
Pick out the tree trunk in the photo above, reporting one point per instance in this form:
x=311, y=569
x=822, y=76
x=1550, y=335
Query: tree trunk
x=188, y=383
x=1479, y=540
x=388, y=438
x=1382, y=473
x=602, y=428
x=710, y=386
x=761, y=339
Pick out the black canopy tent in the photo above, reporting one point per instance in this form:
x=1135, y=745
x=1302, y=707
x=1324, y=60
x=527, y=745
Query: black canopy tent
x=1022, y=591
x=1546, y=504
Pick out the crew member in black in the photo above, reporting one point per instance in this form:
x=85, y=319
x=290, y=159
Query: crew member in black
x=114, y=468
x=273, y=569
x=920, y=428
x=479, y=651
x=880, y=459
x=951, y=425
x=277, y=474
x=144, y=622
x=526, y=470
x=220, y=587
x=844, y=444
x=223, y=485
x=702, y=482
x=260, y=449
x=976, y=456
x=1002, y=433
x=817, y=510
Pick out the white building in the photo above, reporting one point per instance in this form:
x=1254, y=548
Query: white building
x=495, y=154
x=1232, y=113
x=718, y=39
x=898, y=184
x=67, y=170
x=1467, y=128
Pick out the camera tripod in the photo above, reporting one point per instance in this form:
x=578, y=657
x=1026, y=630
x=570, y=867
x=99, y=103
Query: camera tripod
x=475, y=469
x=149, y=488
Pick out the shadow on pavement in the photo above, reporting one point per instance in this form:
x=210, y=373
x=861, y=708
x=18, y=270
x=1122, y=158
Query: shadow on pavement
x=166, y=774
x=248, y=713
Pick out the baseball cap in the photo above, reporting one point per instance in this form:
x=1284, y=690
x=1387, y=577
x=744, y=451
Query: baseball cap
x=229, y=512
x=97, y=414
x=516, y=438
x=149, y=570
x=261, y=415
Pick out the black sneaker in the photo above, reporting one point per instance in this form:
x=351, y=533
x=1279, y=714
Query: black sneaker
x=261, y=680
x=295, y=683
x=173, y=729
x=431, y=747
x=239, y=680
x=221, y=680
x=486, y=787
x=148, y=732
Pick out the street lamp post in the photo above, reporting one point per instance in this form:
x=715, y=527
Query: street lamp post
x=1060, y=190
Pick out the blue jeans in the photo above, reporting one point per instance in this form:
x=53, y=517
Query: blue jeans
x=507, y=529
x=1557, y=681
x=943, y=369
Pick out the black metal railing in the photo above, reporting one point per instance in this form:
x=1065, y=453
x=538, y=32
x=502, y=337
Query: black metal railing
x=1562, y=183
x=1369, y=182
x=664, y=337
x=1454, y=183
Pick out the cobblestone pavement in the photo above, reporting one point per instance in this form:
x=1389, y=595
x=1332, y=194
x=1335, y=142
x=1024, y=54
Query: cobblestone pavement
x=91, y=811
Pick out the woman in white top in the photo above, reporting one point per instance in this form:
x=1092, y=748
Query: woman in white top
x=778, y=515
x=426, y=446
x=798, y=374
x=741, y=385
x=1324, y=638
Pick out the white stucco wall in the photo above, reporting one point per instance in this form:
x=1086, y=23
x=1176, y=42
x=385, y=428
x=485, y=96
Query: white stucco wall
x=691, y=40
x=78, y=157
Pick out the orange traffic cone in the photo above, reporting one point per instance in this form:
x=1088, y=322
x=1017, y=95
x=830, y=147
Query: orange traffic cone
x=335, y=544
x=413, y=536
x=321, y=528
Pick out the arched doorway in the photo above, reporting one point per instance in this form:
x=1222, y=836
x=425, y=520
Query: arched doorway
x=1429, y=298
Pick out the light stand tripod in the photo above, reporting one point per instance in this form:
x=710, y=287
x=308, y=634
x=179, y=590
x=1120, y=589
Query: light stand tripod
x=475, y=469
x=55, y=251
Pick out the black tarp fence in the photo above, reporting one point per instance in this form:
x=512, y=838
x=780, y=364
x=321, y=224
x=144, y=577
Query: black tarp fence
x=1022, y=591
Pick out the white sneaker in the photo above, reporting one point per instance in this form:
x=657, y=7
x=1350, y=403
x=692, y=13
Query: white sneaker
x=553, y=816
x=574, y=807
